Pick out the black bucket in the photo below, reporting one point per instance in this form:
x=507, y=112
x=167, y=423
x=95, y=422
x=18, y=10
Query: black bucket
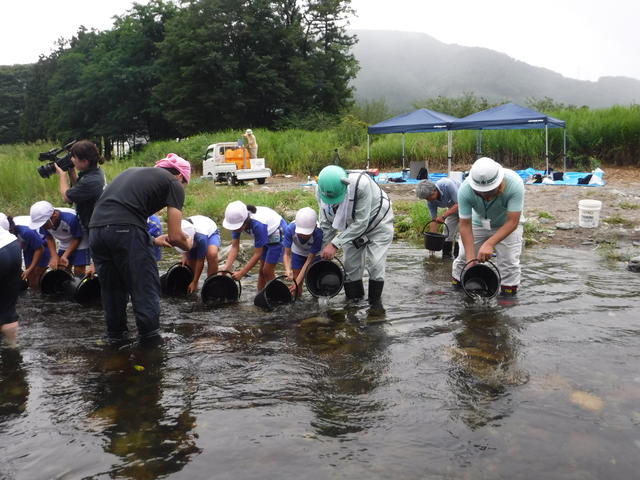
x=219, y=289
x=85, y=291
x=324, y=278
x=480, y=280
x=175, y=281
x=434, y=241
x=275, y=293
x=54, y=282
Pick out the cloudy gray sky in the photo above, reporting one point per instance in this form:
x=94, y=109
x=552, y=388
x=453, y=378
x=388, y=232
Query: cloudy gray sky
x=582, y=39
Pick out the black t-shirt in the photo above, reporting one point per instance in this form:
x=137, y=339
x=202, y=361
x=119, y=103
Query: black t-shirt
x=86, y=193
x=135, y=194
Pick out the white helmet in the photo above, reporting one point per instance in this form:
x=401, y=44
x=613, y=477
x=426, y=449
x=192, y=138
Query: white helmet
x=234, y=215
x=188, y=229
x=485, y=175
x=306, y=221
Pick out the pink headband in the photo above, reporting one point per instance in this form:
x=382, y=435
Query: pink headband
x=180, y=164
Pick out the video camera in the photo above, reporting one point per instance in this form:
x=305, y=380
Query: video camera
x=65, y=163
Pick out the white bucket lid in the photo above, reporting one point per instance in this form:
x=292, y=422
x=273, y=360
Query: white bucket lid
x=591, y=204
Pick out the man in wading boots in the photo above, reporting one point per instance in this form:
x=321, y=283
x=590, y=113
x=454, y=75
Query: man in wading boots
x=491, y=201
x=444, y=194
x=355, y=215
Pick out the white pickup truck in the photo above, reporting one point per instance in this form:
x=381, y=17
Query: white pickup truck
x=219, y=166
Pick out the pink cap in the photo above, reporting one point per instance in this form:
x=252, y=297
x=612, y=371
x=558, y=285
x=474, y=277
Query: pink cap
x=180, y=164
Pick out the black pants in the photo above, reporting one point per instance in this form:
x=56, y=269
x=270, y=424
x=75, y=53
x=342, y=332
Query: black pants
x=126, y=265
x=10, y=270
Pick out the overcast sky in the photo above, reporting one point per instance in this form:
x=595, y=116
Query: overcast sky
x=582, y=39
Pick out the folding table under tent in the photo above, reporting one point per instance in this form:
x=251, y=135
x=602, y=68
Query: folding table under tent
x=511, y=116
x=422, y=120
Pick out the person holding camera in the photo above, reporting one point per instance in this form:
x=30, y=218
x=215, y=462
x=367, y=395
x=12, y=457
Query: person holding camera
x=122, y=248
x=86, y=185
x=355, y=215
x=10, y=270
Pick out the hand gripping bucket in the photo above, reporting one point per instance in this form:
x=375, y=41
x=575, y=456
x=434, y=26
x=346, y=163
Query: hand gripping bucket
x=480, y=280
x=325, y=278
x=220, y=289
x=274, y=293
x=434, y=241
x=85, y=291
x=175, y=281
x=589, y=213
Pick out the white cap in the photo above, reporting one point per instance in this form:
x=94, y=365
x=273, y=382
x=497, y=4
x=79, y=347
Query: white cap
x=249, y=131
x=40, y=212
x=306, y=221
x=234, y=215
x=188, y=229
x=4, y=221
x=485, y=175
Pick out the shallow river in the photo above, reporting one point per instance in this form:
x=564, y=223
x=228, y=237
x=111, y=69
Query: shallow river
x=544, y=386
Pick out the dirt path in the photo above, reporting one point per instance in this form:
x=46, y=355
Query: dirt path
x=553, y=204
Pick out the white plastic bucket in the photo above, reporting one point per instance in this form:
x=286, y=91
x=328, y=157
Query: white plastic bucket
x=457, y=176
x=589, y=213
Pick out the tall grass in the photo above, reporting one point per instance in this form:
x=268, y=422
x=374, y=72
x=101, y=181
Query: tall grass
x=608, y=136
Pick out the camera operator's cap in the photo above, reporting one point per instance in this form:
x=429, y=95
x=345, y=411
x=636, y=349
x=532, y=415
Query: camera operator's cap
x=188, y=229
x=180, y=164
x=332, y=184
x=234, y=215
x=40, y=212
x=306, y=221
x=485, y=175
x=4, y=221
x=249, y=131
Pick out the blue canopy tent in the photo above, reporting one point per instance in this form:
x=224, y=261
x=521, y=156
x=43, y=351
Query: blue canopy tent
x=422, y=120
x=512, y=116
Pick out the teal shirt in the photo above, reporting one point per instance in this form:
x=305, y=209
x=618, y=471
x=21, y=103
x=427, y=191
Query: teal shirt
x=475, y=207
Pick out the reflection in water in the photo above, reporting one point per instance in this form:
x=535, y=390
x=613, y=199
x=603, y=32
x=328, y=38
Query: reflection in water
x=14, y=388
x=349, y=364
x=484, y=366
x=149, y=437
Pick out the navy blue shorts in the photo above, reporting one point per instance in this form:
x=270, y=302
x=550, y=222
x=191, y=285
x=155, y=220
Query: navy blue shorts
x=272, y=253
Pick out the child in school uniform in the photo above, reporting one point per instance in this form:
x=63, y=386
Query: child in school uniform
x=36, y=255
x=206, y=244
x=62, y=225
x=267, y=228
x=302, y=244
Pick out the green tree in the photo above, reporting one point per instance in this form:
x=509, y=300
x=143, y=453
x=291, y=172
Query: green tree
x=13, y=81
x=460, y=106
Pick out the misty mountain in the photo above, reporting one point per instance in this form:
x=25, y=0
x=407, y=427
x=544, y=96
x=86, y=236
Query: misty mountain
x=404, y=67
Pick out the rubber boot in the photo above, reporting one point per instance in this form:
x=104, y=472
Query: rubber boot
x=446, y=249
x=375, y=291
x=508, y=291
x=354, y=290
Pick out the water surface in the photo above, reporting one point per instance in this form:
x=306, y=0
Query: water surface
x=543, y=386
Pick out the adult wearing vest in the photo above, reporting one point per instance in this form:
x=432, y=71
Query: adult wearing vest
x=355, y=216
x=491, y=201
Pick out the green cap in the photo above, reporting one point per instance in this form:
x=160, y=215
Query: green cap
x=331, y=186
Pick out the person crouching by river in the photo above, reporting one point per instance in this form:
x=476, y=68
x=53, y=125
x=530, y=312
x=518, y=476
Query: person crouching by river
x=491, y=202
x=444, y=194
x=123, y=249
x=355, y=215
x=10, y=270
x=302, y=244
x=266, y=226
x=206, y=244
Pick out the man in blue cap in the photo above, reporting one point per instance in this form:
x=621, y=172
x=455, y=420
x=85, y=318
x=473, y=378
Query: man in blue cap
x=355, y=216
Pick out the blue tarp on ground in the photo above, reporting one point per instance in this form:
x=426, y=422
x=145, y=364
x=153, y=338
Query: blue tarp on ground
x=569, y=178
x=505, y=117
x=422, y=120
